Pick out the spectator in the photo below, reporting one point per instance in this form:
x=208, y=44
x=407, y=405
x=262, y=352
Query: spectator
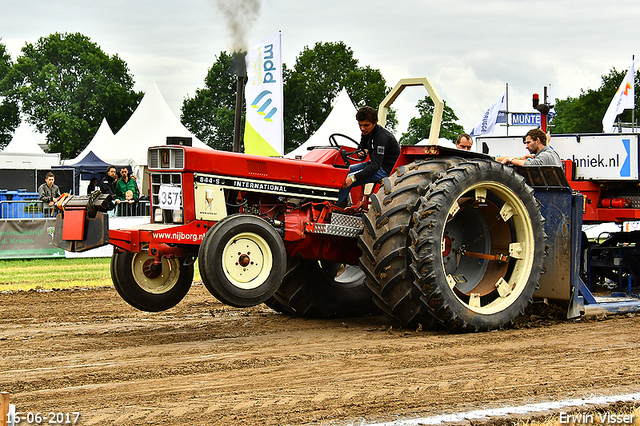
x=127, y=192
x=49, y=192
x=464, y=141
x=540, y=154
x=126, y=183
x=93, y=186
x=108, y=184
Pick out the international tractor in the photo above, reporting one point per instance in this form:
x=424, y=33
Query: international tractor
x=451, y=237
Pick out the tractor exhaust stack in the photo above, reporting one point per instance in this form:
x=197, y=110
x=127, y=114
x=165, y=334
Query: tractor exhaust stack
x=241, y=71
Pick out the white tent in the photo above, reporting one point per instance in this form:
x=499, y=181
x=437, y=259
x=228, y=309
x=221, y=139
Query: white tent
x=149, y=125
x=23, y=152
x=341, y=119
x=103, y=134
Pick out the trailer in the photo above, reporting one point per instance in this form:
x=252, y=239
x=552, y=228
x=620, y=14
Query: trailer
x=601, y=175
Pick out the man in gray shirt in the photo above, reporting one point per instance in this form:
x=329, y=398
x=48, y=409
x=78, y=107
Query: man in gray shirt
x=541, y=154
x=49, y=193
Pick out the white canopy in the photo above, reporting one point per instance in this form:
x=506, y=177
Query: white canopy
x=149, y=125
x=23, y=152
x=103, y=134
x=23, y=142
x=341, y=119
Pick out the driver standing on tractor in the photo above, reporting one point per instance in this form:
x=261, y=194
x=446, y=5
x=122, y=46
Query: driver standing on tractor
x=379, y=144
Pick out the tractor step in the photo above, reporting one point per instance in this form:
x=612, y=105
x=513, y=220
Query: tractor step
x=341, y=225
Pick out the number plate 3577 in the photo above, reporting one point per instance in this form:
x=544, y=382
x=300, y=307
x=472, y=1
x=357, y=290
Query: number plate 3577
x=170, y=197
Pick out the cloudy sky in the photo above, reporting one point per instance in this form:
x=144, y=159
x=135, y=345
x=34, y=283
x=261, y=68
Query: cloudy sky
x=468, y=48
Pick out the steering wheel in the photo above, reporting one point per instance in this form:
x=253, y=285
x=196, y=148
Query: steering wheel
x=335, y=144
x=348, y=157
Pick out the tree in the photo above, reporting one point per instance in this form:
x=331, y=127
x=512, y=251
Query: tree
x=584, y=114
x=366, y=86
x=66, y=85
x=9, y=114
x=210, y=113
x=316, y=79
x=420, y=127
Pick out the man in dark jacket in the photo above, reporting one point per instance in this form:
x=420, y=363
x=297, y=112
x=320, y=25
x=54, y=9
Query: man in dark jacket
x=379, y=144
x=108, y=184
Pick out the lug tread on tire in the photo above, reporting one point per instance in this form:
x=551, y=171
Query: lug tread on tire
x=448, y=306
x=385, y=240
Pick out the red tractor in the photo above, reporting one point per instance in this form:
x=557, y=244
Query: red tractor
x=451, y=236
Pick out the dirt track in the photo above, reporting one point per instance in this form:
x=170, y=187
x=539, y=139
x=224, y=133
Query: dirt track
x=203, y=363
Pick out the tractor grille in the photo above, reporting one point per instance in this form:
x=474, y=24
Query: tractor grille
x=166, y=158
x=158, y=180
x=341, y=225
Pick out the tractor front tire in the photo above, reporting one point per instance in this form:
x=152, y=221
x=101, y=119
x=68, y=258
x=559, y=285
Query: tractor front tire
x=242, y=260
x=147, y=288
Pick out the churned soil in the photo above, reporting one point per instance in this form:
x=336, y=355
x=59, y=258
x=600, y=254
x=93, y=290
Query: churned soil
x=204, y=363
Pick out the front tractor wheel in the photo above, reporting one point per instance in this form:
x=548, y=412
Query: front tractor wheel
x=242, y=260
x=148, y=287
x=478, y=247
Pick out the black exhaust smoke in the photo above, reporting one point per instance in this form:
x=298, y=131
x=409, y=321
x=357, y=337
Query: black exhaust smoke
x=239, y=15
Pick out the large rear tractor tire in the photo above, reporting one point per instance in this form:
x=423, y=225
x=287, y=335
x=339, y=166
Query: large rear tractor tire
x=147, y=288
x=315, y=289
x=478, y=247
x=242, y=260
x=385, y=241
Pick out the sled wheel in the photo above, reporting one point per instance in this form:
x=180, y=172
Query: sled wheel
x=242, y=260
x=385, y=241
x=325, y=289
x=147, y=288
x=478, y=247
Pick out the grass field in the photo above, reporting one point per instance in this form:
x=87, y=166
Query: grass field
x=47, y=274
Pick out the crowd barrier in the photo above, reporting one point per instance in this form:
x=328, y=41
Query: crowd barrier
x=28, y=208
x=24, y=209
x=27, y=229
x=139, y=208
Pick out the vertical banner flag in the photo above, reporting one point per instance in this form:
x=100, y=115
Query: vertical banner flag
x=264, y=125
x=488, y=122
x=623, y=99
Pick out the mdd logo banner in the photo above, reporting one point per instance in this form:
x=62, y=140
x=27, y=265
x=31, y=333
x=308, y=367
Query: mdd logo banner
x=262, y=102
x=264, y=126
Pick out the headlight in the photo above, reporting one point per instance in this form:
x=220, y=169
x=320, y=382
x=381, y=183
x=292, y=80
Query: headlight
x=157, y=215
x=177, y=216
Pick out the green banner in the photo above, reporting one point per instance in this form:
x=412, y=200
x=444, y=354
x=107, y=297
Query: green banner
x=25, y=239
